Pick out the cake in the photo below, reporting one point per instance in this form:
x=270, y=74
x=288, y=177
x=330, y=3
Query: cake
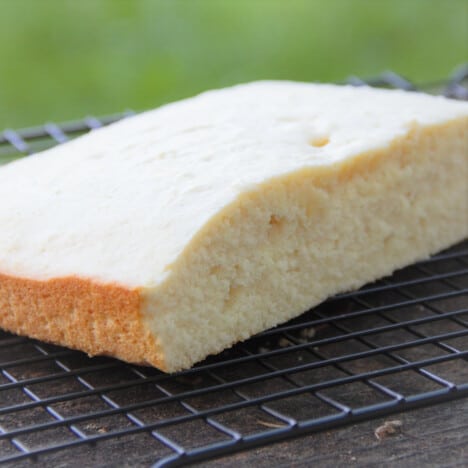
x=173, y=234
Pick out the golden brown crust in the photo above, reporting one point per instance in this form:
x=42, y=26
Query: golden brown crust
x=96, y=318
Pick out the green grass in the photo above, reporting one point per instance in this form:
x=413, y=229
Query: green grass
x=64, y=59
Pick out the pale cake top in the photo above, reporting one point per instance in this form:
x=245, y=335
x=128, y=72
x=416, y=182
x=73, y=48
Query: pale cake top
x=121, y=203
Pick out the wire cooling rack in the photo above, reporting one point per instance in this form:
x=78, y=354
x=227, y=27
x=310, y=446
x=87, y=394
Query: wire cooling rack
x=394, y=345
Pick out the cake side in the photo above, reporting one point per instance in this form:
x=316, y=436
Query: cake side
x=81, y=314
x=296, y=240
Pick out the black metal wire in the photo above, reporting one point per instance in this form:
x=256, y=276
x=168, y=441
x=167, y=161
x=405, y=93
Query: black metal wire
x=396, y=345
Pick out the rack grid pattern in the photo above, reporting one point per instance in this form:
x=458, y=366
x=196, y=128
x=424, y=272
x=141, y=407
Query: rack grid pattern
x=394, y=345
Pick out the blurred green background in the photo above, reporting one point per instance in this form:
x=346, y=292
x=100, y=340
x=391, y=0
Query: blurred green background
x=63, y=60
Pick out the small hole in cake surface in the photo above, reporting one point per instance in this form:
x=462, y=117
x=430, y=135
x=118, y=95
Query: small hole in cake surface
x=276, y=226
x=320, y=141
x=275, y=220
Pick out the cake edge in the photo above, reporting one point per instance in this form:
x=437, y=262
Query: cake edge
x=98, y=319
